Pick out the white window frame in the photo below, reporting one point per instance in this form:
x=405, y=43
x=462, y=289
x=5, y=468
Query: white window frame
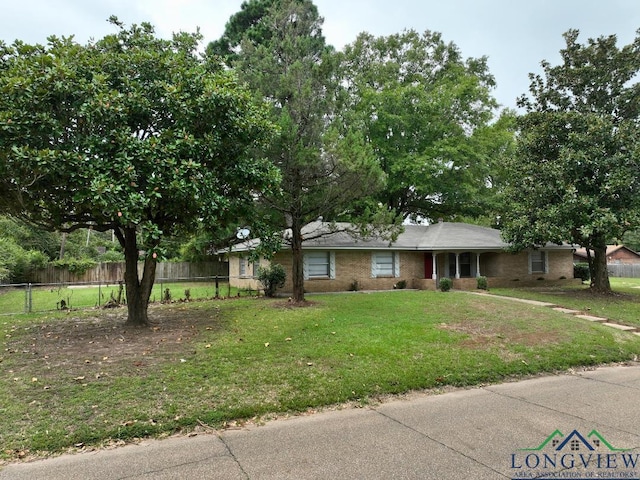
x=538, y=257
x=313, y=259
x=380, y=261
x=242, y=267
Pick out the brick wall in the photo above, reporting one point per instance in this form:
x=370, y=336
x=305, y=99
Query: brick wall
x=622, y=255
x=246, y=281
x=512, y=270
x=351, y=267
x=355, y=267
x=516, y=266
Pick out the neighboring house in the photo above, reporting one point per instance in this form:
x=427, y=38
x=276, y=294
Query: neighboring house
x=334, y=260
x=616, y=254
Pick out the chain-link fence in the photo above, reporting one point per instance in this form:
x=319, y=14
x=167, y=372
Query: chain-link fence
x=43, y=297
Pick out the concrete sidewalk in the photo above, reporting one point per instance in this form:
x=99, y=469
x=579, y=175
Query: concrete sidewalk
x=472, y=434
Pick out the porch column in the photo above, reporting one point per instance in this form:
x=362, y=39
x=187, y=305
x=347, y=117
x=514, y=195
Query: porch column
x=457, y=265
x=478, y=265
x=434, y=259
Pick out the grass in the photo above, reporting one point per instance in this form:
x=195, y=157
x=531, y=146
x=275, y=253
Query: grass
x=43, y=299
x=80, y=378
x=623, y=306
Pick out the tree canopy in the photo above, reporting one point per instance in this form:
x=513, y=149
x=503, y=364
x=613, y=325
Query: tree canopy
x=575, y=174
x=132, y=133
x=427, y=113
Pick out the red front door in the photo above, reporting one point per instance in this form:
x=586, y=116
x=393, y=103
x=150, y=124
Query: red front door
x=428, y=265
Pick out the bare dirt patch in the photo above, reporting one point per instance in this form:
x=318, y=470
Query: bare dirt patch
x=81, y=341
x=291, y=304
x=487, y=334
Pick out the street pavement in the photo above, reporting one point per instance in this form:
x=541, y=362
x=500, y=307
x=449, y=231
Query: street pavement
x=581, y=424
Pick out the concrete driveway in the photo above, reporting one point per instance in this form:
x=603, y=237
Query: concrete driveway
x=584, y=424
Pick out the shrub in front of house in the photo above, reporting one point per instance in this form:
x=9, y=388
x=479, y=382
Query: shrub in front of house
x=482, y=283
x=581, y=271
x=271, y=278
x=402, y=284
x=445, y=284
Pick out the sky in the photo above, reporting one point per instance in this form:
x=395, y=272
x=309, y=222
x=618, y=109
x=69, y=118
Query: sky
x=515, y=35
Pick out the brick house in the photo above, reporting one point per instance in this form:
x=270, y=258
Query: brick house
x=616, y=254
x=334, y=260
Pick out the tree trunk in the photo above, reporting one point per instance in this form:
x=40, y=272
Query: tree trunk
x=297, y=264
x=63, y=242
x=138, y=290
x=599, y=273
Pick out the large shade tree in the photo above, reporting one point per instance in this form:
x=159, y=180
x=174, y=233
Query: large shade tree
x=428, y=113
x=575, y=174
x=131, y=133
x=324, y=166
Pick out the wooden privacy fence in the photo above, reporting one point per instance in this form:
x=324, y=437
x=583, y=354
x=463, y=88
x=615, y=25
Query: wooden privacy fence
x=113, y=272
x=624, y=270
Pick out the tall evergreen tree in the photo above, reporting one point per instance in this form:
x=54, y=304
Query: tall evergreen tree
x=323, y=168
x=245, y=24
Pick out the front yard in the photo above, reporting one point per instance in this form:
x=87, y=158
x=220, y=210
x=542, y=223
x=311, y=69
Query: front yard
x=80, y=379
x=622, y=307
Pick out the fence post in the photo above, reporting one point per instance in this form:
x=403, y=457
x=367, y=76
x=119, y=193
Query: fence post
x=28, y=301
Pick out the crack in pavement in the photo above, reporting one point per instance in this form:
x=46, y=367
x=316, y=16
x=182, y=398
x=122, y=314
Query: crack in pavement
x=524, y=400
x=422, y=434
x=632, y=387
x=235, y=459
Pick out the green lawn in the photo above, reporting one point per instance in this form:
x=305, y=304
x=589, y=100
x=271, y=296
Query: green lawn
x=43, y=299
x=81, y=378
x=623, y=306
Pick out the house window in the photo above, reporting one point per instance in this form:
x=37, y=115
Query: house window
x=385, y=264
x=319, y=265
x=464, y=264
x=243, y=267
x=538, y=262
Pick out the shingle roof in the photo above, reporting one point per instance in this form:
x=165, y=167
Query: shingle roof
x=438, y=236
x=442, y=236
x=582, y=252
